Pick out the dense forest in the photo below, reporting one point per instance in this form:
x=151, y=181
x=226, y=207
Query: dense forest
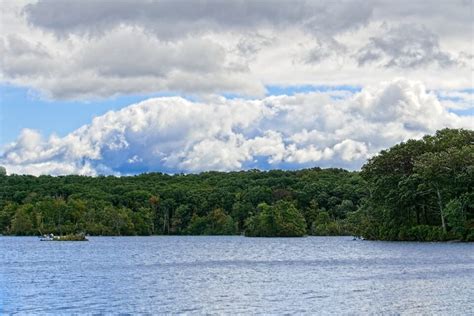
x=208, y=203
x=418, y=190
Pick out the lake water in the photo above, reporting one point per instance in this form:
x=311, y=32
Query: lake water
x=229, y=275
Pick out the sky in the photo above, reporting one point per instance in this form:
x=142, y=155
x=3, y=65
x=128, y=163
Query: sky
x=123, y=87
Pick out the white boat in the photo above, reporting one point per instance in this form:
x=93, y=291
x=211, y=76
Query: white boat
x=49, y=237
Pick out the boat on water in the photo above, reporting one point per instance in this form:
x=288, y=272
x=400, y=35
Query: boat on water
x=47, y=237
x=70, y=237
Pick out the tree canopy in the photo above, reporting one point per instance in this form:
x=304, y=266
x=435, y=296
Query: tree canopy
x=211, y=203
x=280, y=220
x=421, y=189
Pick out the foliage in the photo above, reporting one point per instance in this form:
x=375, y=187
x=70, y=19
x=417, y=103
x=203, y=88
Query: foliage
x=325, y=226
x=216, y=222
x=71, y=237
x=214, y=203
x=280, y=220
x=421, y=189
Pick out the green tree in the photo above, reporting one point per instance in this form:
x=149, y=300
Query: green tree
x=181, y=218
x=415, y=186
x=197, y=226
x=216, y=222
x=6, y=216
x=177, y=204
x=220, y=223
x=280, y=220
x=21, y=223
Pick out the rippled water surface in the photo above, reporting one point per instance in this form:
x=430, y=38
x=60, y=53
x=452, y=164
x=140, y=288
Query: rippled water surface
x=222, y=275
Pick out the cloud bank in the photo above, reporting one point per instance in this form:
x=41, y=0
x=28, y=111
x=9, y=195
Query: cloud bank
x=96, y=49
x=173, y=134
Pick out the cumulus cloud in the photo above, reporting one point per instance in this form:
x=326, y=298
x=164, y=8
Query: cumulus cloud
x=173, y=134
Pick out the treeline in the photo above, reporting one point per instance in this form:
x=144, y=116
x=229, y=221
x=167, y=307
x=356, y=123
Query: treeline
x=210, y=203
x=420, y=190
x=417, y=190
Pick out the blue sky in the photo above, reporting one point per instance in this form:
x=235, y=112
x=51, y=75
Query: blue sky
x=23, y=108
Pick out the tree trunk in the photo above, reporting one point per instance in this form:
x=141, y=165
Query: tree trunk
x=440, y=203
x=425, y=215
x=164, y=222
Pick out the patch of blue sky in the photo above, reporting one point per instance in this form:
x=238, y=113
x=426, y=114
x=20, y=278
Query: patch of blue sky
x=292, y=90
x=231, y=96
x=463, y=112
x=21, y=108
x=468, y=106
x=275, y=90
x=449, y=98
x=451, y=95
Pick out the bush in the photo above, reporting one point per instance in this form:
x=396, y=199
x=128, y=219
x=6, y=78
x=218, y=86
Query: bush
x=470, y=235
x=216, y=222
x=279, y=220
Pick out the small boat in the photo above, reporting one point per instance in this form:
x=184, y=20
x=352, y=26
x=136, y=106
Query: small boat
x=47, y=237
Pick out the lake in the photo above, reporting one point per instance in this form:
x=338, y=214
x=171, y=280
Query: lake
x=223, y=275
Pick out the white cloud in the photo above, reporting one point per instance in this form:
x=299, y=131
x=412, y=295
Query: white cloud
x=174, y=134
x=97, y=49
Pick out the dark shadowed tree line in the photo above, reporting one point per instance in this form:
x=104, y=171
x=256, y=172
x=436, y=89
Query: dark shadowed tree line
x=420, y=190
